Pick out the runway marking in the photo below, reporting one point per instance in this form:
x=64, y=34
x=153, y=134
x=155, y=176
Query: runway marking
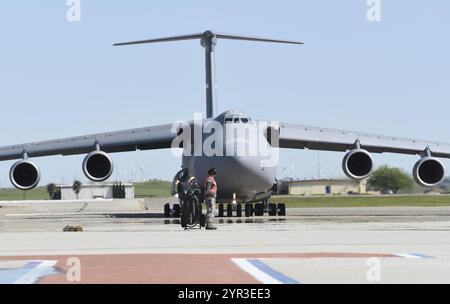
x=42, y=269
x=67, y=214
x=55, y=202
x=161, y=268
x=267, y=275
x=263, y=272
x=29, y=273
x=414, y=256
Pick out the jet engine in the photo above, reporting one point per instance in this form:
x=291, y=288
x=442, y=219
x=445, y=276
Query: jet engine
x=357, y=164
x=24, y=175
x=98, y=166
x=429, y=172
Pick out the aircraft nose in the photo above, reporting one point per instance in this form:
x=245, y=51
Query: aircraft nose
x=250, y=169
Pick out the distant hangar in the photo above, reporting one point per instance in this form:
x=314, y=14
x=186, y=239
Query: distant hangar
x=326, y=187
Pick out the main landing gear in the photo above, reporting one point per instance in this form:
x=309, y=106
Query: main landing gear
x=236, y=210
x=252, y=209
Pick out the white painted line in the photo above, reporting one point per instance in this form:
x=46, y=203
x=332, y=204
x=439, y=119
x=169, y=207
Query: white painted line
x=413, y=256
x=33, y=275
x=255, y=272
x=408, y=256
x=37, y=202
x=72, y=213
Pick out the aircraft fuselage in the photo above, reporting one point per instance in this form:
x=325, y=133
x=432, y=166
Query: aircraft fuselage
x=244, y=173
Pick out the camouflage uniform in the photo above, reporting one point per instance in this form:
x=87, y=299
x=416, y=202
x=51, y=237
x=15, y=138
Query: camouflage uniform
x=210, y=198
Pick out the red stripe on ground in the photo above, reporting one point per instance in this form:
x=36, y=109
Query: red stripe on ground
x=169, y=268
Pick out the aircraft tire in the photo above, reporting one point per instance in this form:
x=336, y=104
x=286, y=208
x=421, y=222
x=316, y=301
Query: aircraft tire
x=220, y=210
x=248, y=210
x=281, y=209
x=167, y=210
x=259, y=209
x=239, y=210
x=176, y=210
x=272, y=209
x=229, y=210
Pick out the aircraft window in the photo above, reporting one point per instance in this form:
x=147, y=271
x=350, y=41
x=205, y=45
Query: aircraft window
x=244, y=120
x=236, y=120
x=228, y=120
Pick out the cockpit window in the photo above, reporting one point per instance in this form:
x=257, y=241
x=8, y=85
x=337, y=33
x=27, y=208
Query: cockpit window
x=238, y=119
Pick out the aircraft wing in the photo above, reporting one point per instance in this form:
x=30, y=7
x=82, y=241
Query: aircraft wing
x=154, y=137
x=315, y=138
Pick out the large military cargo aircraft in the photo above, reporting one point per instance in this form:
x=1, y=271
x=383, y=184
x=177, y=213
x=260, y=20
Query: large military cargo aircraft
x=245, y=178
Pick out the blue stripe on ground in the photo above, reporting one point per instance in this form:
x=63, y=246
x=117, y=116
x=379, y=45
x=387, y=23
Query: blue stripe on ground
x=32, y=264
x=272, y=272
x=9, y=276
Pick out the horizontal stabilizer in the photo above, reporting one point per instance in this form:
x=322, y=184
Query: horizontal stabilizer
x=164, y=39
x=209, y=34
x=253, y=38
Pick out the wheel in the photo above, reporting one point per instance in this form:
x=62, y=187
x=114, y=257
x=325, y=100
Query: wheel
x=239, y=210
x=167, y=210
x=176, y=210
x=281, y=209
x=229, y=210
x=248, y=210
x=220, y=210
x=272, y=209
x=183, y=218
x=259, y=209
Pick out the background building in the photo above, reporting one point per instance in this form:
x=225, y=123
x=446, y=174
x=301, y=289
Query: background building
x=326, y=187
x=93, y=191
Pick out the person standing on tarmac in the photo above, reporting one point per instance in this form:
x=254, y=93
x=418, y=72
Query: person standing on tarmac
x=179, y=185
x=210, y=186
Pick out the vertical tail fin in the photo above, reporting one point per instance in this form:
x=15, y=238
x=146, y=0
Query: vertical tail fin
x=208, y=41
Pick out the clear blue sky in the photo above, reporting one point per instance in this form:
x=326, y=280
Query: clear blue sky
x=59, y=78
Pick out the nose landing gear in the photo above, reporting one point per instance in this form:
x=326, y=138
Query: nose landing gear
x=174, y=212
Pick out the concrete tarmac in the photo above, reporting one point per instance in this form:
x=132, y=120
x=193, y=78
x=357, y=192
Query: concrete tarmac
x=130, y=241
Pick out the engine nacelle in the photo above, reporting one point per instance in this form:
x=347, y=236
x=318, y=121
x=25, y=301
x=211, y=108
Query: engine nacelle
x=98, y=166
x=429, y=172
x=358, y=164
x=24, y=175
